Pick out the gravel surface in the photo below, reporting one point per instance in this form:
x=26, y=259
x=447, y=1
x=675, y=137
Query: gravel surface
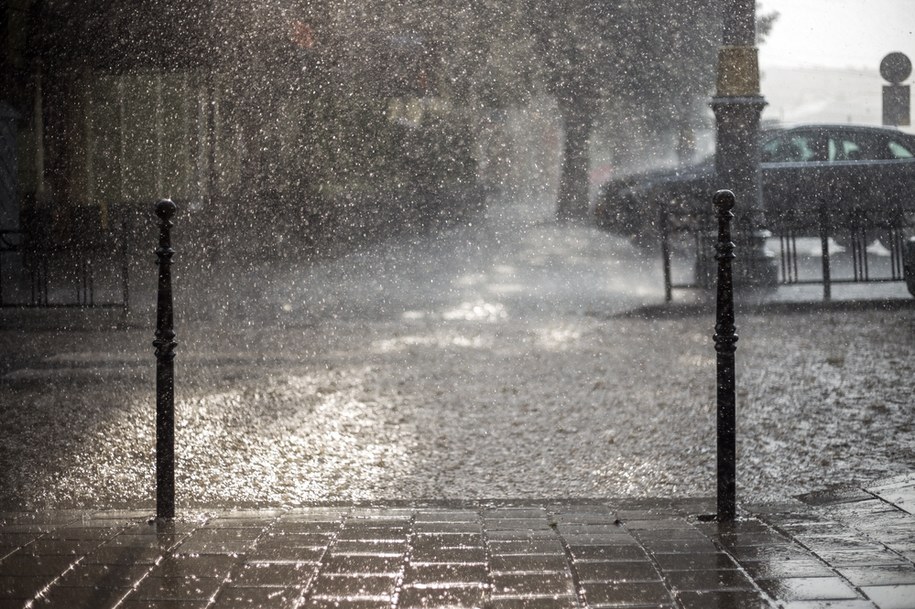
x=509, y=359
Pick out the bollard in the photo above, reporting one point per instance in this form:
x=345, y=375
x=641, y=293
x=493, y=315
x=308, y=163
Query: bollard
x=824, y=249
x=664, y=227
x=725, y=346
x=165, y=368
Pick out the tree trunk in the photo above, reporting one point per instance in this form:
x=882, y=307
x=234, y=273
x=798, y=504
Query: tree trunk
x=573, y=181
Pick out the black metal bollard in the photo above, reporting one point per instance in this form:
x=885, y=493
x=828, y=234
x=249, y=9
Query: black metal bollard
x=824, y=248
x=725, y=346
x=165, y=368
x=664, y=227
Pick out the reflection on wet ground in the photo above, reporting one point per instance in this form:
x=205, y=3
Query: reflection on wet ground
x=846, y=549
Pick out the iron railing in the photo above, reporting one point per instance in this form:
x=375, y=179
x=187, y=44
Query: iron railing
x=822, y=248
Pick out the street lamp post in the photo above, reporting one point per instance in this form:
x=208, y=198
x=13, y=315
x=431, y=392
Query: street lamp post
x=737, y=105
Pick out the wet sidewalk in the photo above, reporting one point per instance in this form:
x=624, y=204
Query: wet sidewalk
x=850, y=548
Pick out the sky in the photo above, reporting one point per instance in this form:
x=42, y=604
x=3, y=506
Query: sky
x=838, y=33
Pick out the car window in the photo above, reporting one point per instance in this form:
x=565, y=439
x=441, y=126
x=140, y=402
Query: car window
x=845, y=149
x=899, y=151
x=788, y=148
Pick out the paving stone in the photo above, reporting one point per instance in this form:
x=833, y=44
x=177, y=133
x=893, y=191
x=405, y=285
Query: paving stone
x=729, y=579
x=54, y=547
x=122, y=556
x=163, y=604
x=364, y=565
x=14, y=603
x=808, y=588
x=386, y=516
x=253, y=598
x=280, y=554
x=687, y=562
x=301, y=524
x=178, y=588
x=22, y=587
x=849, y=543
x=517, y=524
x=728, y=599
x=836, y=496
x=445, y=574
x=249, y=515
x=850, y=558
x=788, y=568
x=453, y=598
x=670, y=534
x=103, y=576
x=20, y=565
x=449, y=516
x=605, y=539
x=216, y=547
x=833, y=604
x=881, y=575
x=609, y=572
x=373, y=534
x=534, y=602
x=17, y=540
x=448, y=527
x=748, y=540
x=343, y=603
x=589, y=528
x=365, y=587
x=602, y=518
x=81, y=598
x=661, y=523
x=371, y=548
x=318, y=516
x=294, y=540
x=891, y=597
x=526, y=546
x=272, y=575
x=515, y=513
x=162, y=542
x=520, y=535
x=626, y=594
x=770, y=553
x=447, y=540
x=458, y=555
x=225, y=534
x=211, y=565
x=815, y=528
x=534, y=563
x=616, y=552
x=534, y=584
x=681, y=546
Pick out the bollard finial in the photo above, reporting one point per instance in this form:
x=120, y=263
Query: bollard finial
x=724, y=200
x=165, y=209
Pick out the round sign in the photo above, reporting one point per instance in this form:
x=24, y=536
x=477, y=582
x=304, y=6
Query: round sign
x=895, y=67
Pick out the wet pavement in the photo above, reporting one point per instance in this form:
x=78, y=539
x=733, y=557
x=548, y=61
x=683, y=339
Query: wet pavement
x=506, y=359
x=845, y=548
x=399, y=422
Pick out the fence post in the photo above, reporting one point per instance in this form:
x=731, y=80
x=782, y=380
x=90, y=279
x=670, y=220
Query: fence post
x=165, y=368
x=664, y=226
x=725, y=346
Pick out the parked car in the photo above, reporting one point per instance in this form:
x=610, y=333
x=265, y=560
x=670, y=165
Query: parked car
x=861, y=173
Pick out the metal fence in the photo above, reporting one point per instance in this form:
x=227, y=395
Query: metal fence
x=823, y=248
x=80, y=263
